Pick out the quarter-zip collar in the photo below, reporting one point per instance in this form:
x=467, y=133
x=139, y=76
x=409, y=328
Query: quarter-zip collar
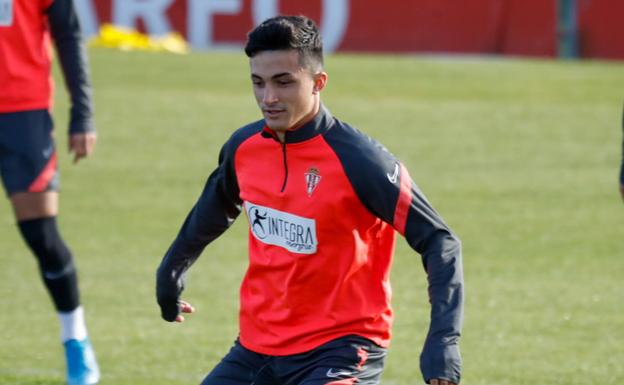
x=321, y=122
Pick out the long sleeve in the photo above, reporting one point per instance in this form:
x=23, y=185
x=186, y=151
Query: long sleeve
x=384, y=186
x=65, y=29
x=216, y=209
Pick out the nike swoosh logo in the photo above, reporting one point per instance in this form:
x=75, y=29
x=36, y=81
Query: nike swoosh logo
x=333, y=374
x=48, y=151
x=52, y=275
x=394, y=177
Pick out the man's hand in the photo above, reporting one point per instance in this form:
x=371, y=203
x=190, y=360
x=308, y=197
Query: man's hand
x=82, y=144
x=172, y=307
x=441, y=382
x=185, y=307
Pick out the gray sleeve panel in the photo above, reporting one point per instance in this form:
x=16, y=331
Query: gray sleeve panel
x=65, y=29
x=440, y=248
x=216, y=209
x=369, y=167
x=442, y=259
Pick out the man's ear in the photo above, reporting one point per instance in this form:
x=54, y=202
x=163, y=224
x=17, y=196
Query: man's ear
x=320, y=81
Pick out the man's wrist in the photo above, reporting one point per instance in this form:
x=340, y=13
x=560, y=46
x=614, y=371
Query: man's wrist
x=81, y=127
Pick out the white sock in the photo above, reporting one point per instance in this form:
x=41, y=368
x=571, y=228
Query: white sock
x=73, y=325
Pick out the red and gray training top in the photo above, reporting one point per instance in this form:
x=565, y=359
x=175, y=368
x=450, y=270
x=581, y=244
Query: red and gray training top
x=26, y=56
x=323, y=210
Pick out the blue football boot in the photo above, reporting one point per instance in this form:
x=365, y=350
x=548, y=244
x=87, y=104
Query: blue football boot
x=82, y=368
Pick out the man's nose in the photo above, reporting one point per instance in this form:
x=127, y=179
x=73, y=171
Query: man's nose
x=270, y=95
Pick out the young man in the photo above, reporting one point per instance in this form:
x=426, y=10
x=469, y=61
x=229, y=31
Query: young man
x=28, y=162
x=323, y=202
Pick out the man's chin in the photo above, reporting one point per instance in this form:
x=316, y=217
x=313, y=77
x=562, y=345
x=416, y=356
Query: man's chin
x=276, y=125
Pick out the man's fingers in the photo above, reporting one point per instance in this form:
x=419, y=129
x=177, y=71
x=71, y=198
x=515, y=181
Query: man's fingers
x=435, y=381
x=82, y=145
x=90, y=145
x=186, y=307
x=78, y=145
x=77, y=156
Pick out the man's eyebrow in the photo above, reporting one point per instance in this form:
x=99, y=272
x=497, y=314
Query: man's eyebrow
x=276, y=76
x=281, y=74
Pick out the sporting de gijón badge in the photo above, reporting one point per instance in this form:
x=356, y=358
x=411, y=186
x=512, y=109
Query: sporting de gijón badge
x=273, y=227
x=313, y=178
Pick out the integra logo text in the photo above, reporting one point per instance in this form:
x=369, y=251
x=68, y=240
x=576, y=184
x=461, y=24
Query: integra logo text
x=294, y=233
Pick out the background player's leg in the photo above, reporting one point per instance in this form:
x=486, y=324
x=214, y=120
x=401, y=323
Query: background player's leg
x=27, y=205
x=29, y=173
x=36, y=217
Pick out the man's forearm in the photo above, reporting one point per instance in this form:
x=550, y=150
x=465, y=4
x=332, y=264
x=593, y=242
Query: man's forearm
x=72, y=55
x=170, y=279
x=441, y=357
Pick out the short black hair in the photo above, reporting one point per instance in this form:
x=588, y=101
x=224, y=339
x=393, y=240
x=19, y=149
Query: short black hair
x=298, y=33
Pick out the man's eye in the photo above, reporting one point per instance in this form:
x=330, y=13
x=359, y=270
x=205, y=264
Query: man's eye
x=284, y=82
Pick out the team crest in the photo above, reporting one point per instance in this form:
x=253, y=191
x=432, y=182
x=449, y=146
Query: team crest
x=313, y=177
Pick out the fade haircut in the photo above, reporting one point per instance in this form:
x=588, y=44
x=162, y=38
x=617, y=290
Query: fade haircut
x=297, y=33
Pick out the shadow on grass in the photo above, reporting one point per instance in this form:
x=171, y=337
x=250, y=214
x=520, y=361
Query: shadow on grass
x=27, y=380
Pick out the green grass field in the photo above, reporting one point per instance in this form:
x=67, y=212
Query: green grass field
x=520, y=158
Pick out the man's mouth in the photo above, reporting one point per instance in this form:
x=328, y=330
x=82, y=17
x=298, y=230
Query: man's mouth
x=272, y=112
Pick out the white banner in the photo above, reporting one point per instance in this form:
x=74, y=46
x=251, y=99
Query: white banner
x=273, y=227
x=199, y=22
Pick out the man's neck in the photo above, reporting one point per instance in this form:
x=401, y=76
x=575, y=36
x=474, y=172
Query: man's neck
x=281, y=135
